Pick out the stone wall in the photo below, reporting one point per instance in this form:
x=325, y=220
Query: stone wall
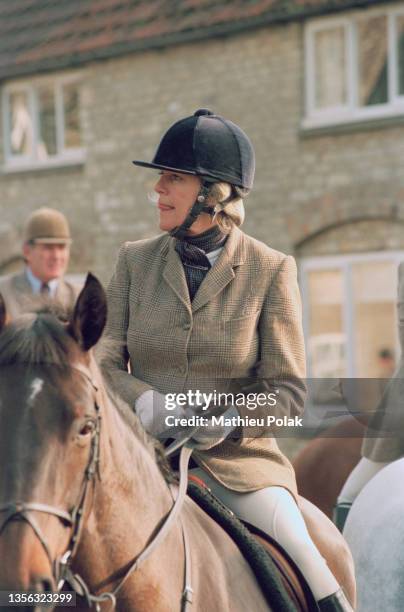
x=307, y=185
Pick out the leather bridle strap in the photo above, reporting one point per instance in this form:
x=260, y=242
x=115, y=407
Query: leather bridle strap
x=18, y=510
x=74, y=519
x=21, y=511
x=92, y=469
x=15, y=509
x=78, y=584
x=182, y=491
x=187, y=594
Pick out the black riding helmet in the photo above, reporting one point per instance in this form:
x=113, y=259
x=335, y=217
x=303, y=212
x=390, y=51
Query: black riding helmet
x=208, y=146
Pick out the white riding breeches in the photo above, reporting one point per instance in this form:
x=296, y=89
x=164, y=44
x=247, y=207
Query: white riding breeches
x=274, y=511
x=358, y=478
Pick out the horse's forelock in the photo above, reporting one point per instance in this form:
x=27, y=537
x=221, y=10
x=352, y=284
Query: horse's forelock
x=36, y=338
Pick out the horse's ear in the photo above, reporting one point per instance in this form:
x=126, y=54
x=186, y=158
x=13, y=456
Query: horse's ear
x=90, y=314
x=3, y=313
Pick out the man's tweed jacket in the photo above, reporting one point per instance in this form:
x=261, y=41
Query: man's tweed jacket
x=384, y=439
x=244, y=319
x=17, y=293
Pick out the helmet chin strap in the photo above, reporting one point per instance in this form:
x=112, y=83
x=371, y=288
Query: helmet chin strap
x=197, y=208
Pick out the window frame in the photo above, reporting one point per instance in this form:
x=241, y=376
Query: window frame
x=343, y=263
x=27, y=162
x=351, y=112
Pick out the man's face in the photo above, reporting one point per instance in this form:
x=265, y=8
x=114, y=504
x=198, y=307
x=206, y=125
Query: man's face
x=47, y=261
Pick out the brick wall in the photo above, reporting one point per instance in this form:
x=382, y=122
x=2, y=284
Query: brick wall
x=340, y=189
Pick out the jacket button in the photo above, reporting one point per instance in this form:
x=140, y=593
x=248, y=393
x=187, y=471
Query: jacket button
x=187, y=326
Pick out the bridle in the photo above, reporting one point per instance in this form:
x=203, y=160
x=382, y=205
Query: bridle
x=22, y=511
x=61, y=566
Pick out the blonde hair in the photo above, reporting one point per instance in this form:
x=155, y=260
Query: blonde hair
x=227, y=201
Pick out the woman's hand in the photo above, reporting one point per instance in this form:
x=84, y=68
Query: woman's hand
x=151, y=408
x=210, y=435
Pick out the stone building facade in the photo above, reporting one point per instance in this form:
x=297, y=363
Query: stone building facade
x=320, y=192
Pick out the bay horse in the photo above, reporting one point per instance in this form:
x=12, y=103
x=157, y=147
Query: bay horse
x=323, y=464
x=83, y=496
x=375, y=533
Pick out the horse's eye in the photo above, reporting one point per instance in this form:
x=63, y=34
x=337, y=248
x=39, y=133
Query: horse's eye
x=87, y=429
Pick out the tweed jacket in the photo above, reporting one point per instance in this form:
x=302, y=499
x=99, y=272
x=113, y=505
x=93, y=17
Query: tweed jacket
x=17, y=293
x=384, y=438
x=245, y=316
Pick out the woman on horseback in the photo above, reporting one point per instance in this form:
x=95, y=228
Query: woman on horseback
x=204, y=307
x=383, y=441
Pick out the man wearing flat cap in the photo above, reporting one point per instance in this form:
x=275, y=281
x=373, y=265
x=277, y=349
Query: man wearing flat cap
x=46, y=251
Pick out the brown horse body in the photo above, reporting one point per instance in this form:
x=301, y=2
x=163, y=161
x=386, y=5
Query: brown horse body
x=126, y=511
x=52, y=401
x=324, y=464
x=332, y=546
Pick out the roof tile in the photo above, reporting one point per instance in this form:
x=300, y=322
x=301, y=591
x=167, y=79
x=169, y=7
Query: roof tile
x=37, y=35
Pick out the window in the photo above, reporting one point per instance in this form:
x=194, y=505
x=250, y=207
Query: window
x=41, y=124
x=348, y=301
x=349, y=305
x=355, y=67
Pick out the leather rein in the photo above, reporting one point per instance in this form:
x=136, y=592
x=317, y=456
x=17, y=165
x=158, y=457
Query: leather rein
x=61, y=566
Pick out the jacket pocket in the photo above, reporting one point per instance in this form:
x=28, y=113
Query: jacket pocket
x=241, y=339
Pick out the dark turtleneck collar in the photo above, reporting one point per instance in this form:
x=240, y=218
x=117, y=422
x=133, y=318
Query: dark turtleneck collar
x=192, y=251
x=207, y=241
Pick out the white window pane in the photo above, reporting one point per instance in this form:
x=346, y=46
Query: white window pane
x=400, y=53
x=372, y=60
x=47, y=145
x=71, y=116
x=20, y=121
x=330, y=68
x=327, y=346
x=375, y=297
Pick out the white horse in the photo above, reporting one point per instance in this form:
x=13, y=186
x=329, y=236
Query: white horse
x=375, y=533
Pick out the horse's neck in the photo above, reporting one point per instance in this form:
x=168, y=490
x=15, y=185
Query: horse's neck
x=127, y=462
x=130, y=473
x=129, y=502
x=128, y=507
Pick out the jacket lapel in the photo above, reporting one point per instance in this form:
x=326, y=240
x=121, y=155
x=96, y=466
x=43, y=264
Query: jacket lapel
x=20, y=294
x=222, y=273
x=21, y=284
x=174, y=274
x=62, y=293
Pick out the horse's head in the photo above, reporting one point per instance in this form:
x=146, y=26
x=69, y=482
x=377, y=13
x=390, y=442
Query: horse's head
x=49, y=435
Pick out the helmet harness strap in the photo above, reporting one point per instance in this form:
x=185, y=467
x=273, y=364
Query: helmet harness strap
x=197, y=208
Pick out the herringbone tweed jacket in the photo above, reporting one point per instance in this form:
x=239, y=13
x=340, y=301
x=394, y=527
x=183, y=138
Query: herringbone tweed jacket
x=384, y=439
x=245, y=317
x=17, y=293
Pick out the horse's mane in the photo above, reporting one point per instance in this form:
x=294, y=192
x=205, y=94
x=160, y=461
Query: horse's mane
x=38, y=338
x=154, y=447
x=105, y=353
x=41, y=338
